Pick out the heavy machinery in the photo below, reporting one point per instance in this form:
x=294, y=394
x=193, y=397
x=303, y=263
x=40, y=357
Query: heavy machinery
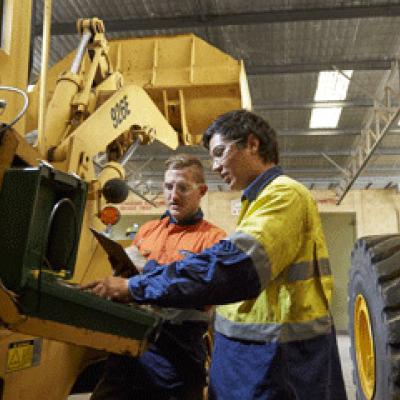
x=374, y=316
x=374, y=296
x=105, y=98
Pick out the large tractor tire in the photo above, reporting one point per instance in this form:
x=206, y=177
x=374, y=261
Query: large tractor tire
x=374, y=315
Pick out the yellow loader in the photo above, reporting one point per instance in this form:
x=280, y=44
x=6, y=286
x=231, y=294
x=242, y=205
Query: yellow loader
x=105, y=98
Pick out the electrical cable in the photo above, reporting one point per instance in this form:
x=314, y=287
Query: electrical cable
x=61, y=202
x=44, y=259
x=21, y=112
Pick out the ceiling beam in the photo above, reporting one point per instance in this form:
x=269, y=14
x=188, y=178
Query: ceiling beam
x=325, y=132
x=363, y=65
x=379, y=172
x=284, y=154
x=376, y=182
x=337, y=153
x=381, y=182
x=310, y=173
x=265, y=17
x=317, y=132
x=306, y=105
x=316, y=178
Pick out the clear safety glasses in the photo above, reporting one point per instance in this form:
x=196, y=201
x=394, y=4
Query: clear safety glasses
x=221, y=152
x=182, y=188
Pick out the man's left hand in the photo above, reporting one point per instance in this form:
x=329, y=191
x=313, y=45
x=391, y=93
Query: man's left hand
x=111, y=288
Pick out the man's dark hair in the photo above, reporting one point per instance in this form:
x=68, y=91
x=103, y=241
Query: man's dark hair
x=237, y=125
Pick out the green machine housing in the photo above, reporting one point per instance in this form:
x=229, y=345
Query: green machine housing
x=40, y=229
x=39, y=237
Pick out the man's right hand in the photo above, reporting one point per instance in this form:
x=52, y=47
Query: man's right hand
x=110, y=288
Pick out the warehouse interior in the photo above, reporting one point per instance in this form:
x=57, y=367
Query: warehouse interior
x=284, y=47
x=325, y=75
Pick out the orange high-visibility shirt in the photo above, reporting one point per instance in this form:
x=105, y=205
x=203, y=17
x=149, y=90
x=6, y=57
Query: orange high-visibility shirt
x=162, y=240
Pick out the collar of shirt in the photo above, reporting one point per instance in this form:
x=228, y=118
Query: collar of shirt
x=198, y=216
x=262, y=180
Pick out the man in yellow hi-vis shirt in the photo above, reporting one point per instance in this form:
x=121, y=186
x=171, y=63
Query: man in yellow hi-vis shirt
x=274, y=335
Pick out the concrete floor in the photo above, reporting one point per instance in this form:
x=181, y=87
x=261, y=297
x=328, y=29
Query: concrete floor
x=344, y=344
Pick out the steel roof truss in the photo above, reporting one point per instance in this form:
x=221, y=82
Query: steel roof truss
x=383, y=116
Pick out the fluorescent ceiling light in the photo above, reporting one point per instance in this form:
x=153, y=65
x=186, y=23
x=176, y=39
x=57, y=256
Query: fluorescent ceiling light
x=331, y=86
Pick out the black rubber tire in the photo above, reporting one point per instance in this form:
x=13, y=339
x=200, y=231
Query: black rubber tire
x=375, y=273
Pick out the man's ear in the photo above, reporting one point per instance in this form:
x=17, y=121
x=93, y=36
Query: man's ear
x=203, y=189
x=253, y=143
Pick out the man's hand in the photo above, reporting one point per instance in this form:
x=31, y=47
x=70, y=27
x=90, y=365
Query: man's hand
x=111, y=288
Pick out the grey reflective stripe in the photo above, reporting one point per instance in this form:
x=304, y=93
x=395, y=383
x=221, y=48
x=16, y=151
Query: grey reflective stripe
x=273, y=332
x=177, y=316
x=305, y=270
x=253, y=248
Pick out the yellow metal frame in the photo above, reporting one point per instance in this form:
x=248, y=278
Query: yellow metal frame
x=184, y=76
x=140, y=111
x=364, y=347
x=164, y=88
x=14, y=56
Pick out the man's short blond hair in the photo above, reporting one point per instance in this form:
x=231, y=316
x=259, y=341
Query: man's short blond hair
x=181, y=161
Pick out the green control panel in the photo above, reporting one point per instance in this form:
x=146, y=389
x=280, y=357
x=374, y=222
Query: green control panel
x=40, y=225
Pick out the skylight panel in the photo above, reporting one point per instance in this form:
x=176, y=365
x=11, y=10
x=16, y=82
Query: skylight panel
x=331, y=86
x=325, y=117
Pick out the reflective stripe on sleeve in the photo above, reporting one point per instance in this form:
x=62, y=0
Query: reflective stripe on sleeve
x=249, y=245
x=305, y=270
x=177, y=316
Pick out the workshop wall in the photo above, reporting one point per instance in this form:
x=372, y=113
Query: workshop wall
x=340, y=234
x=376, y=211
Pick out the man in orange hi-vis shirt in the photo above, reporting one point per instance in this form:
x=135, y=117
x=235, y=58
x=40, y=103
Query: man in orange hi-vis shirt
x=174, y=366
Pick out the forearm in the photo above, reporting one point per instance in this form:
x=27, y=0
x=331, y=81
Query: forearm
x=220, y=275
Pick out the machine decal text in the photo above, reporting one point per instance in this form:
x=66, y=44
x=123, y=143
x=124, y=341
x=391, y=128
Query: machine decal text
x=120, y=111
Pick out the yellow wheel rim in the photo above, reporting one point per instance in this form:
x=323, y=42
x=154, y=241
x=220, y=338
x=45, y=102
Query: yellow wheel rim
x=364, y=345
